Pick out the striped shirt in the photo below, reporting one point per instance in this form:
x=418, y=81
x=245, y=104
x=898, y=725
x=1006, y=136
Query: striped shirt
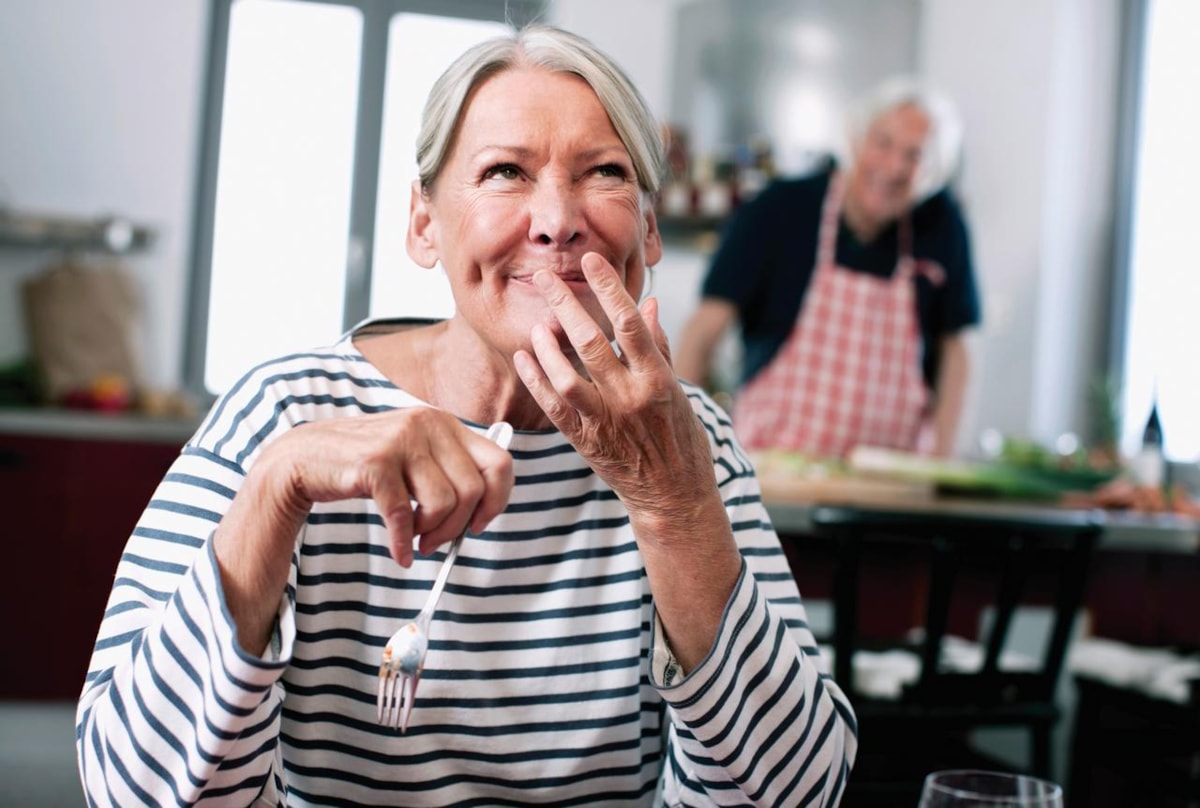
x=547, y=680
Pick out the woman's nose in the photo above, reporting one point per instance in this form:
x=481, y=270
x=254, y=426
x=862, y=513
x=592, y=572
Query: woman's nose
x=554, y=217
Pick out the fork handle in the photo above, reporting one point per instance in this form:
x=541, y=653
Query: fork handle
x=501, y=434
x=439, y=583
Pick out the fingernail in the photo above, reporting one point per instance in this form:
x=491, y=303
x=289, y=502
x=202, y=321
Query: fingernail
x=542, y=280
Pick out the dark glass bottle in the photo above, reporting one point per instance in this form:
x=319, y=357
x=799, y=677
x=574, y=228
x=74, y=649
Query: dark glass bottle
x=1152, y=435
x=1150, y=468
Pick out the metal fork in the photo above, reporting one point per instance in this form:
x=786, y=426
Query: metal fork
x=404, y=655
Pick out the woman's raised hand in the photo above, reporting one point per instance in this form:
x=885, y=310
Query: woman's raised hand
x=627, y=415
x=625, y=412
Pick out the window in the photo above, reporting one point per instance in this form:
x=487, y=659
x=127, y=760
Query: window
x=313, y=111
x=1163, y=276
x=419, y=49
x=282, y=210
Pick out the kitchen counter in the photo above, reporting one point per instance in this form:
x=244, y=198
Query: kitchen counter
x=1141, y=587
x=78, y=424
x=791, y=507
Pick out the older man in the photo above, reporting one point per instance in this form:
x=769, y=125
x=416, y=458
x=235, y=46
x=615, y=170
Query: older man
x=853, y=288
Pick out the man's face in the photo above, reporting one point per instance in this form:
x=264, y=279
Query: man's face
x=885, y=164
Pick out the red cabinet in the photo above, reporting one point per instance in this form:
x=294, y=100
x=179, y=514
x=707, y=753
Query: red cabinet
x=68, y=506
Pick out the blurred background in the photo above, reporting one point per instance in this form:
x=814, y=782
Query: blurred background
x=241, y=170
x=1076, y=176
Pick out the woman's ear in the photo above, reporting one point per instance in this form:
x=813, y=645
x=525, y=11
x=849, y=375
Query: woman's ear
x=652, y=244
x=421, y=241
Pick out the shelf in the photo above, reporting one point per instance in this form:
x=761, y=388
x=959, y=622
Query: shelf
x=109, y=234
x=689, y=225
x=698, y=232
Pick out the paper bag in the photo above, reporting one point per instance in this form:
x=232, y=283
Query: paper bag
x=83, y=323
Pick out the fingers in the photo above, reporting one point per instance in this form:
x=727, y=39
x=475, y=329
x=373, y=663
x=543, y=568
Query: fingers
x=638, y=379
x=482, y=486
x=590, y=342
x=447, y=486
x=470, y=487
x=563, y=415
x=649, y=311
x=583, y=332
x=395, y=506
x=457, y=478
x=496, y=466
x=565, y=389
x=629, y=328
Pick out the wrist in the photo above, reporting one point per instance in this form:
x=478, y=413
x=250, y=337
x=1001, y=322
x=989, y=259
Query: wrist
x=253, y=546
x=693, y=564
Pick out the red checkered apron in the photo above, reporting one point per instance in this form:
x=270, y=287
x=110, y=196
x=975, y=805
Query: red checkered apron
x=849, y=373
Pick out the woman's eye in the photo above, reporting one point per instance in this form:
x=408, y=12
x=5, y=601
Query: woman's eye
x=612, y=170
x=504, y=171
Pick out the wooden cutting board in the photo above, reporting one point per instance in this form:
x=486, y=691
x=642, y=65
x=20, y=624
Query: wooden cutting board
x=778, y=486
x=787, y=477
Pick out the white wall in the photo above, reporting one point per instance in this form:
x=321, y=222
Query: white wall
x=100, y=104
x=1036, y=83
x=639, y=34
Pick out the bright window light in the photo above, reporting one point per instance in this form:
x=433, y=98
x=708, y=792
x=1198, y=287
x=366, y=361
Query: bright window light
x=1164, y=300
x=420, y=47
x=283, y=182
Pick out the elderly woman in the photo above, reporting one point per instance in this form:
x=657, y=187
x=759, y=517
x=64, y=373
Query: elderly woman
x=627, y=615
x=854, y=290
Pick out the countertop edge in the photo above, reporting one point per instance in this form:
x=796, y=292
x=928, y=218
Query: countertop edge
x=1167, y=533
x=50, y=423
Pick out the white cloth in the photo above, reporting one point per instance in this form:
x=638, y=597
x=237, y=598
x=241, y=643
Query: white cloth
x=885, y=674
x=1158, y=672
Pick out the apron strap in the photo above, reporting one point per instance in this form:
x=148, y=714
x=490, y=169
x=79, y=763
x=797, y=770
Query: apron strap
x=831, y=209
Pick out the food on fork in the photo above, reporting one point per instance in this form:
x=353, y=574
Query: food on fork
x=403, y=658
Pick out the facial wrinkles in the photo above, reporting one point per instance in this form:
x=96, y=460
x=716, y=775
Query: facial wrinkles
x=561, y=169
x=574, y=217
x=555, y=212
x=555, y=134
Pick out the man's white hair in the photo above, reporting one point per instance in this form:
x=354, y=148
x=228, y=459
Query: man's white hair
x=943, y=148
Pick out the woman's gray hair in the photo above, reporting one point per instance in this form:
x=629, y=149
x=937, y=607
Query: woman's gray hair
x=943, y=148
x=552, y=49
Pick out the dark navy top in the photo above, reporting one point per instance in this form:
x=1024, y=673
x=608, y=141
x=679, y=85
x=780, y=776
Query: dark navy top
x=768, y=252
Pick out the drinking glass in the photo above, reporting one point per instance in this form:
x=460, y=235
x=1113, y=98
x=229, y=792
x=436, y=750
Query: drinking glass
x=967, y=788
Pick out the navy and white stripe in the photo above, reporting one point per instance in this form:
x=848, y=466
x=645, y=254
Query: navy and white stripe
x=538, y=686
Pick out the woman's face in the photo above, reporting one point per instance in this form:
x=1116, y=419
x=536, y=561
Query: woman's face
x=886, y=162
x=536, y=178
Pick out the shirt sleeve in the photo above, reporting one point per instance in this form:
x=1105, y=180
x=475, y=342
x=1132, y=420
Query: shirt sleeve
x=758, y=721
x=958, y=305
x=173, y=711
x=741, y=259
